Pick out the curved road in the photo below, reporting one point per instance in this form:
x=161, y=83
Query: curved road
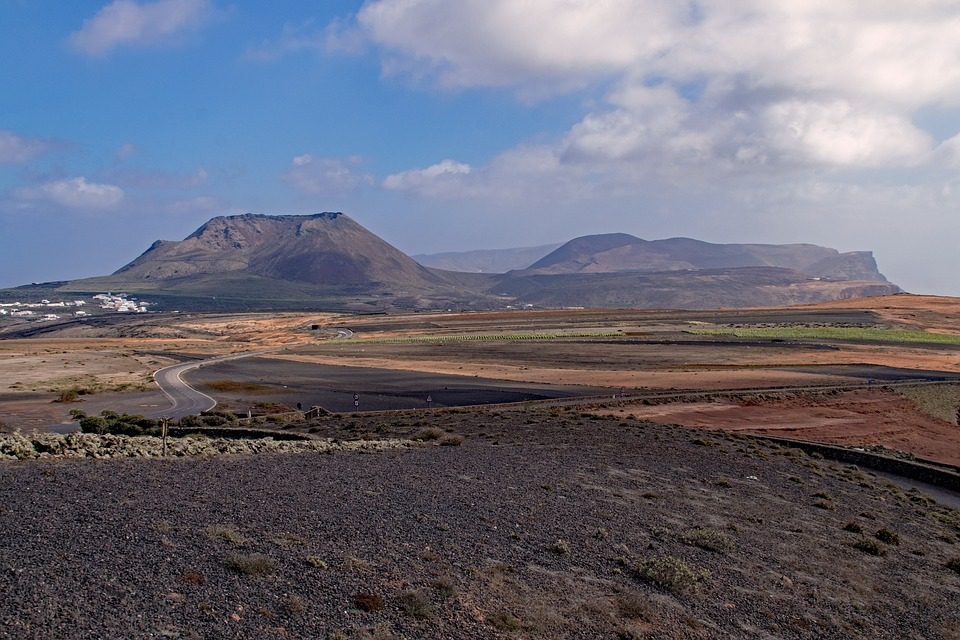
x=186, y=400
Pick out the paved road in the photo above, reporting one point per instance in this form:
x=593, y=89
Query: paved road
x=186, y=400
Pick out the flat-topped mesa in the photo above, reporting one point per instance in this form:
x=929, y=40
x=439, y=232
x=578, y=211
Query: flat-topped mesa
x=621, y=252
x=324, y=248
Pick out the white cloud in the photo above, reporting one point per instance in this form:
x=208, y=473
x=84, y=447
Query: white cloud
x=126, y=22
x=901, y=51
x=727, y=84
x=438, y=180
x=325, y=175
x=74, y=193
x=16, y=149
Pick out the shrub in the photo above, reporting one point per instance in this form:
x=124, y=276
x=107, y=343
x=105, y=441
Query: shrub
x=252, y=564
x=561, y=547
x=368, y=601
x=228, y=533
x=708, y=539
x=415, y=604
x=853, y=527
x=505, y=622
x=116, y=423
x=444, y=586
x=887, y=536
x=872, y=547
x=316, y=561
x=953, y=564
x=294, y=604
x=430, y=433
x=68, y=395
x=672, y=574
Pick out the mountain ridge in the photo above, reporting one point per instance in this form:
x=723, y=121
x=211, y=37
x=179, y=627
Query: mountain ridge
x=327, y=260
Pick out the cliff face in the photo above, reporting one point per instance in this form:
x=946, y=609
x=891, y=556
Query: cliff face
x=620, y=252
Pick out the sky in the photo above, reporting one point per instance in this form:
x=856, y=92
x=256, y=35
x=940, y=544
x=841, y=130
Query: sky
x=482, y=124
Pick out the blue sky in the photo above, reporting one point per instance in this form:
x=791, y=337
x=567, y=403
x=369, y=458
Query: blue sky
x=479, y=124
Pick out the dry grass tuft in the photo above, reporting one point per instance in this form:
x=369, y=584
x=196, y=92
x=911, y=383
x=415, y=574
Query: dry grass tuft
x=251, y=564
x=671, y=574
x=415, y=604
x=707, y=539
x=227, y=533
x=368, y=601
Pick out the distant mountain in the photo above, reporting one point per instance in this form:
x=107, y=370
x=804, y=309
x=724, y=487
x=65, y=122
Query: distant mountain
x=486, y=260
x=288, y=261
x=620, y=252
x=324, y=248
x=328, y=261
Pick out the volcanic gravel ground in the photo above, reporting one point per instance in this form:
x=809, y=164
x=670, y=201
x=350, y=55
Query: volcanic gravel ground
x=538, y=525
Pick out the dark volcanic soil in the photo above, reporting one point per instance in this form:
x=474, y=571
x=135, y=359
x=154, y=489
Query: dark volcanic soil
x=542, y=524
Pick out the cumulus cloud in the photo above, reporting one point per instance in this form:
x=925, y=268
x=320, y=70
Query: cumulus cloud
x=16, y=149
x=442, y=179
x=904, y=52
x=722, y=84
x=325, y=175
x=126, y=22
x=74, y=193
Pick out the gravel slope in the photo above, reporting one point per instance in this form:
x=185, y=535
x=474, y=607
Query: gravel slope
x=541, y=524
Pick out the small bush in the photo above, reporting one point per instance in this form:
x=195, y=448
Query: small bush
x=316, y=561
x=355, y=565
x=853, y=527
x=561, y=547
x=193, y=578
x=444, y=587
x=227, y=533
x=887, y=536
x=294, y=604
x=368, y=601
x=252, y=564
x=708, y=539
x=430, y=433
x=68, y=395
x=415, y=605
x=503, y=621
x=451, y=440
x=871, y=547
x=672, y=574
x=953, y=564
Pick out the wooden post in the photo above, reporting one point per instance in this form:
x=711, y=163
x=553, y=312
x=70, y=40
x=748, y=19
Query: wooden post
x=163, y=432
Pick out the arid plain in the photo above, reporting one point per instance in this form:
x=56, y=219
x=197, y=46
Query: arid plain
x=489, y=357
x=648, y=515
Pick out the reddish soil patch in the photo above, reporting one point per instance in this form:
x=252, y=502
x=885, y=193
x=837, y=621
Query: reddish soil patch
x=869, y=417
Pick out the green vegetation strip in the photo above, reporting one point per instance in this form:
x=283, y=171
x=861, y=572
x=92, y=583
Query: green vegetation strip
x=490, y=336
x=833, y=333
